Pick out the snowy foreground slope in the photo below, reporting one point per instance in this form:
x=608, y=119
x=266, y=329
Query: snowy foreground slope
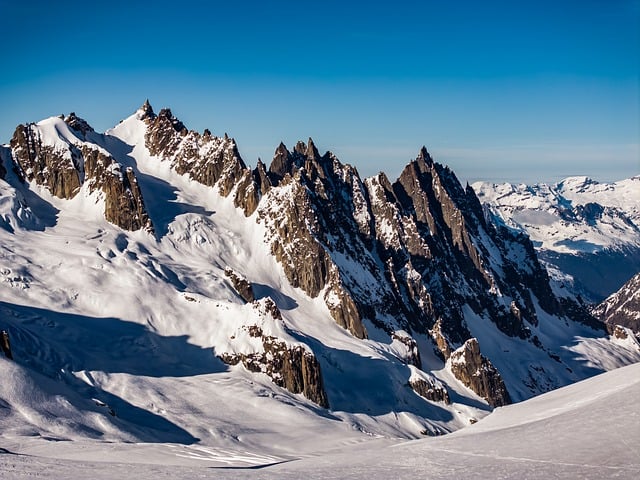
x=587, y=233
x=587, y=430
x=161, y=296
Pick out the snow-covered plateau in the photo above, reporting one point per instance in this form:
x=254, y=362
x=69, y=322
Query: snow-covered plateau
x=169, y=311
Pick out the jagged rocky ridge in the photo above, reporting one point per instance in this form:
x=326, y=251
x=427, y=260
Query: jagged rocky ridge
x=417, y=255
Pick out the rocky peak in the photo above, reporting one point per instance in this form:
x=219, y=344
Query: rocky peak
x=281, y=163
x=145, y=112
x=167, y=117
x=78, y=124
x=311, y=151
x=53, y=167
x=300, y=148
x=206, y=158
x=424, y=157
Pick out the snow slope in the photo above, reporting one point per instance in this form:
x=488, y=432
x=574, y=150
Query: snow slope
x=586, y=430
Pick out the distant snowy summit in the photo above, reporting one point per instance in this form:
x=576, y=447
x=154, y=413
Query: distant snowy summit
x=586, y=232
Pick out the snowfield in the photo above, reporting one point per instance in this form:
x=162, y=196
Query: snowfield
x=587, y=430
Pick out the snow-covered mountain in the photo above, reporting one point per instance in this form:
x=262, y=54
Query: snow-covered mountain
x=622, y=308
x=587, y=233
x=154, y=288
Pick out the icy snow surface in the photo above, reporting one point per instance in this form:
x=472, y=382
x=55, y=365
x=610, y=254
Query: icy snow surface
x=588, y=430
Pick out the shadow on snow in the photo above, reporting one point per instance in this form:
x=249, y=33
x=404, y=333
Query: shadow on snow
x=56, y=344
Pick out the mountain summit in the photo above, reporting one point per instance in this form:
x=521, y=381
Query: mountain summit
x=149, y=272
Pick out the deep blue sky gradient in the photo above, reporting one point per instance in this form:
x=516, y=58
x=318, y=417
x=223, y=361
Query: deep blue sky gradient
x=499, y=90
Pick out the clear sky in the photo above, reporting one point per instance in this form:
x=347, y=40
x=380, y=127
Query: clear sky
x=499, y=90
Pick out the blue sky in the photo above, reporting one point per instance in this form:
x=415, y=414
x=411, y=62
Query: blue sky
x=517, y=91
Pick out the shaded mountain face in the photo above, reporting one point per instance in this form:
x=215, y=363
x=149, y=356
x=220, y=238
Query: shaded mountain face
x=431, y=299
x=586, y=232
x=622, y=308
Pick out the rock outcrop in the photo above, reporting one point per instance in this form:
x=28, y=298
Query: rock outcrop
x=622, y=308
x=205, y=158
x=436, y=392
x=5, y=344
x=476, y=372
x=293, y=367
x=55, y=168
x=241, y=285
x=65, y=163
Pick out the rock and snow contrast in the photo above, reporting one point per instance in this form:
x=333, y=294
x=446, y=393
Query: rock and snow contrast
x=587, y=233
x=622, y=309
x=156, y=291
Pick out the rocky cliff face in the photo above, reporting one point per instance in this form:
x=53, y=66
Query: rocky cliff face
x=57, y=169
x=293, y=367
x=65, y=162
x=622, y=308
x=476, y=372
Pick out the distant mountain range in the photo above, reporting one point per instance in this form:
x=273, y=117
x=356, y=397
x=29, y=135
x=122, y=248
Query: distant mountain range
x=586, y=233
x=155, y=288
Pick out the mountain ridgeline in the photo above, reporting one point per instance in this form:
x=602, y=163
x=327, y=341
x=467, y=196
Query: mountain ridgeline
x=416, y=260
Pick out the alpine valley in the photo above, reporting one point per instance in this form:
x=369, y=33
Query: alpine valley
x=156, y=290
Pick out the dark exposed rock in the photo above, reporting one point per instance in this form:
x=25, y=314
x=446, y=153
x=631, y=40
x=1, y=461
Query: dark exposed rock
x=261, y=177
x=291, y=367
x=620, y=332
x=5, y=345
x=241, y=284
x=622, y=308
x=294, y=217
x=304, y=261
x=147, y=111
x=207, y=159
x=65, y=168
x=124, y=205
x=430, y=390
x=281, y=163
x=247, y=193
x=78, y=124
x=413, y=357
x=43, y=164
x=476, y=372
